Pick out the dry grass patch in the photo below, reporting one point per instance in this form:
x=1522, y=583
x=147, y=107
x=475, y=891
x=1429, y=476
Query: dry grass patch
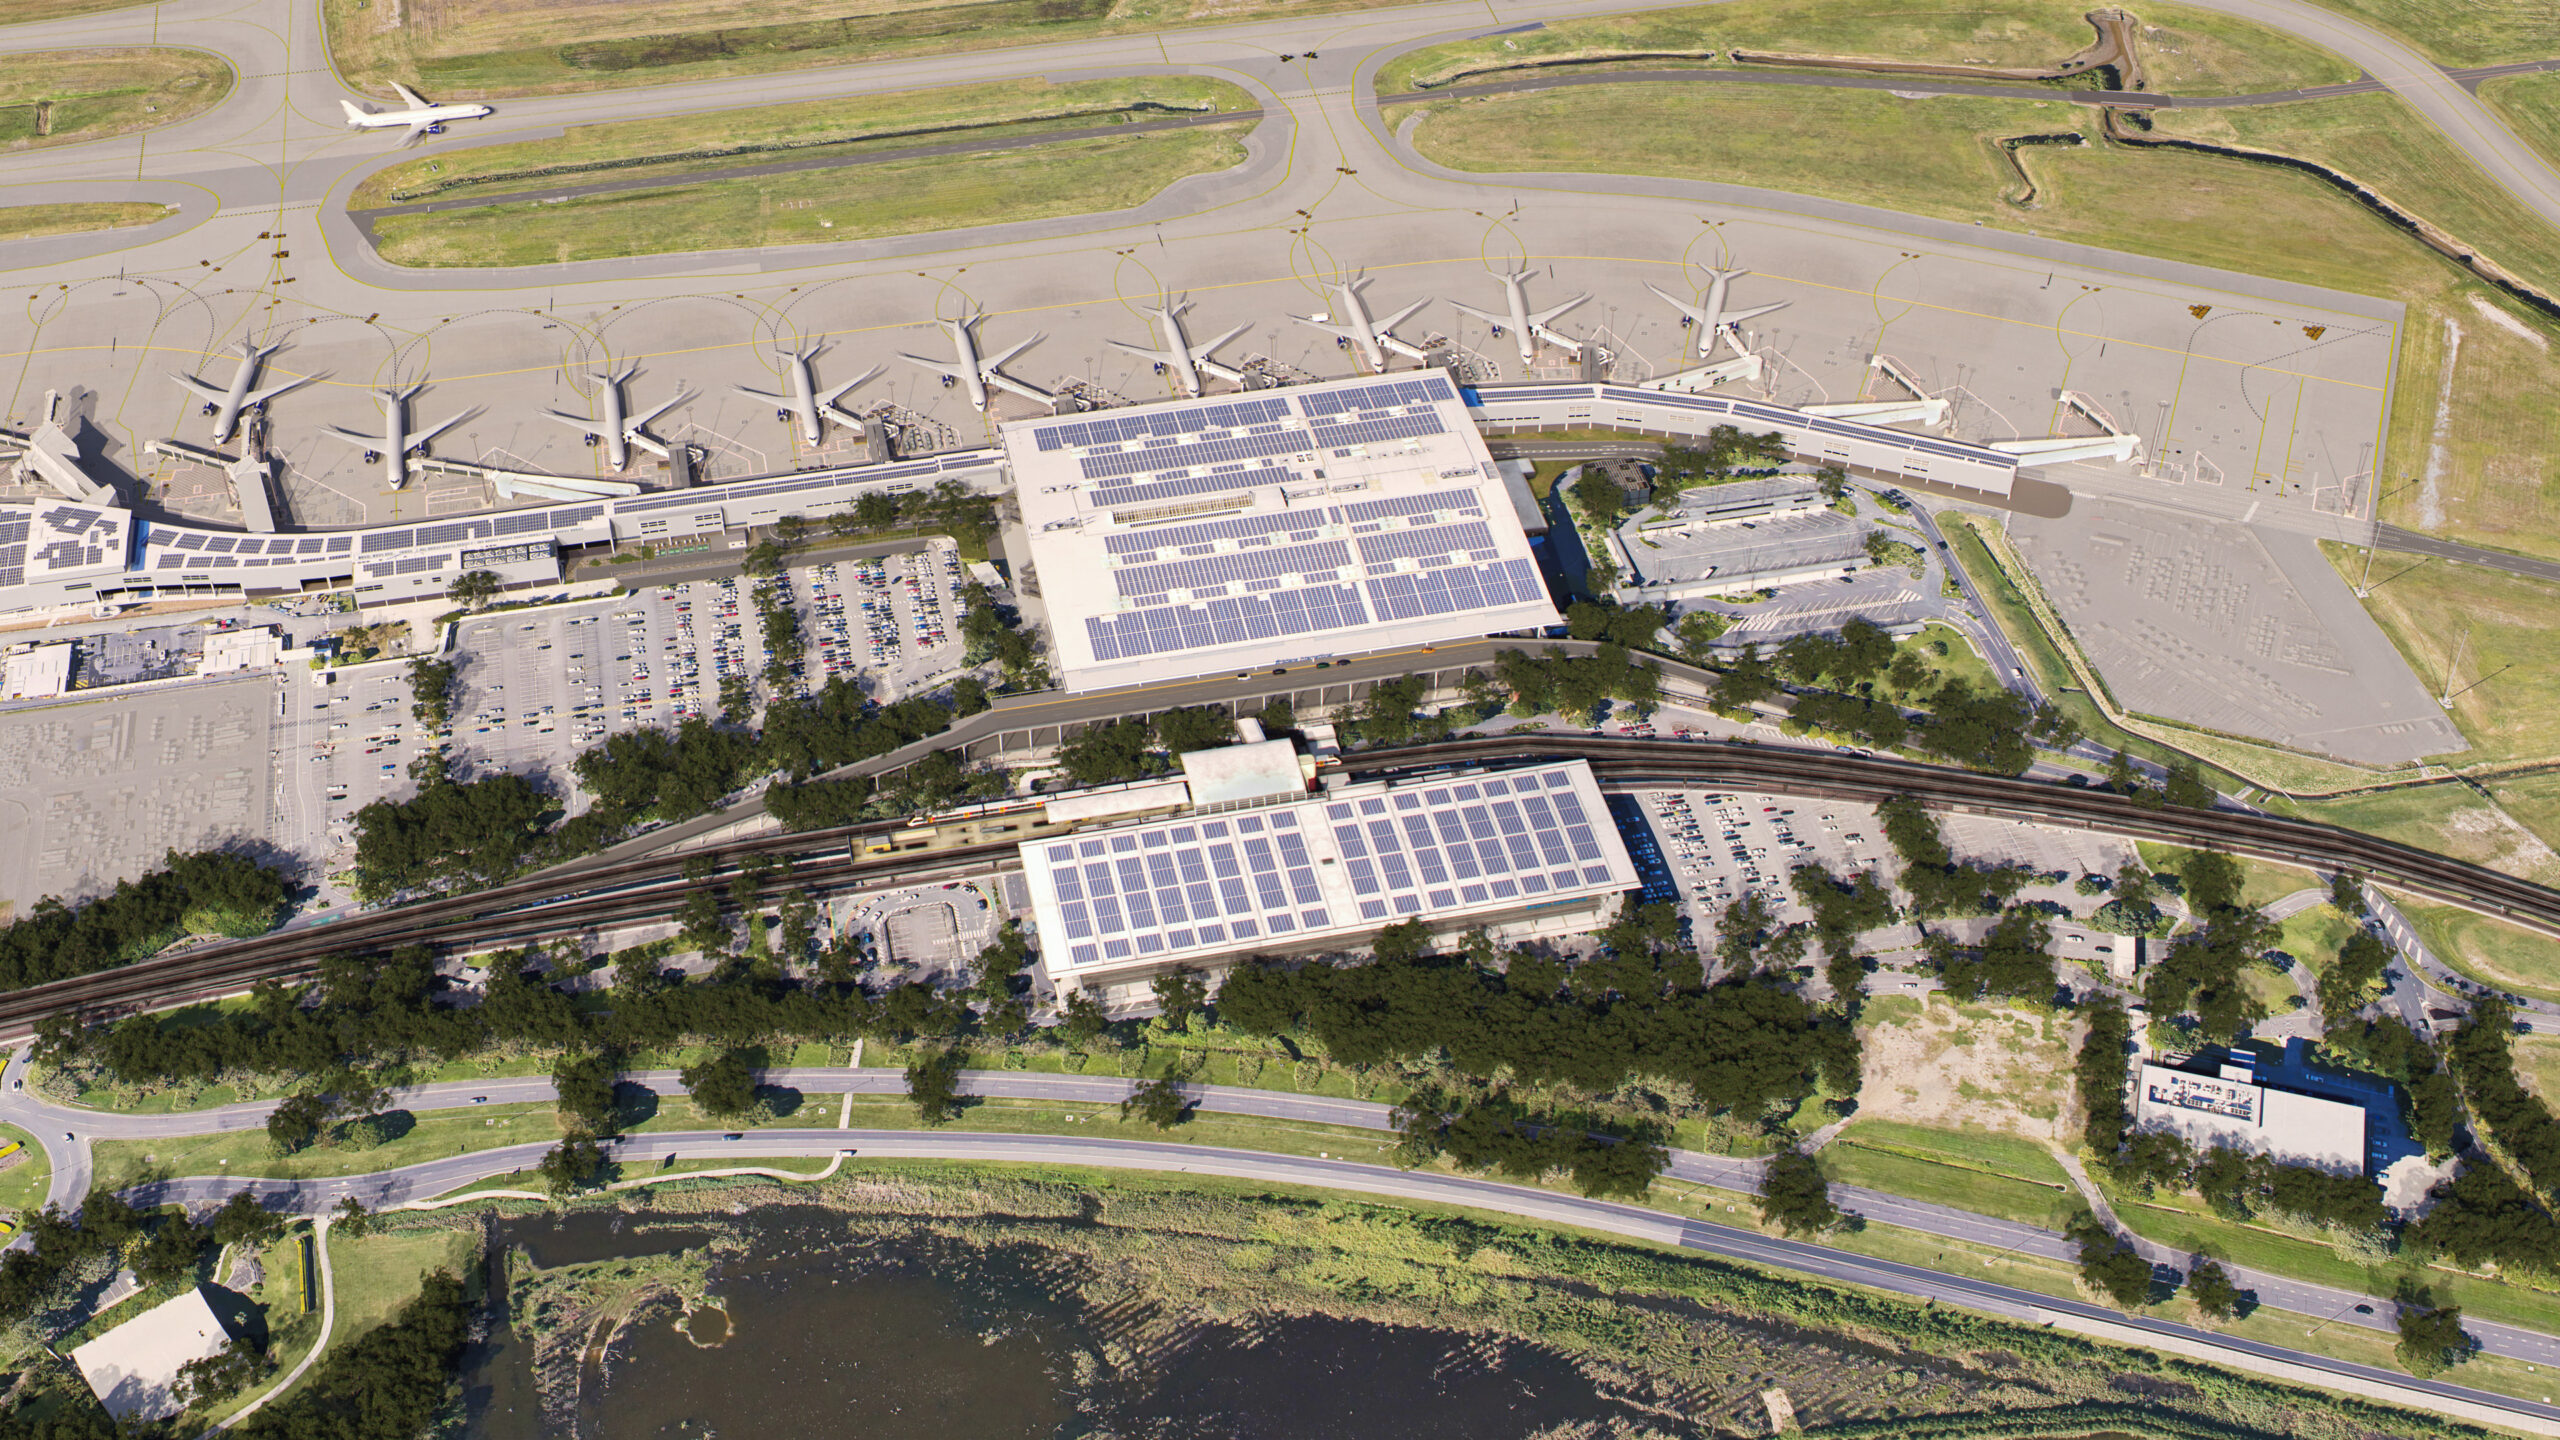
x=1942, y=1065
x=65, y=97
x=2489, y=632
x=33, y=222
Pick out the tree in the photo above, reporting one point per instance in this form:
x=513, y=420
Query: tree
x=1697, y=633
x=576, y=1163
x=1834, y=481
x=243, y=1221
x=172, y=1250
x=296, y=1122
x=2214, y=1293
x=1748, y=679
x=2350, y=979
x=968, y=695
x=933, y=1083
x=1795, y=1195
x=221, y=1375
x=1160, y=1102
x=2101, y=1076
x=474, y=589
x=354, y=1221
x=584, y=1082
x=1180, y=994
x=2108, y=1262
x=2431, y=1336
x=724, y=1086
x=700, y=923
x=431, y=691
x=2346, y=893
x=1082, y=1020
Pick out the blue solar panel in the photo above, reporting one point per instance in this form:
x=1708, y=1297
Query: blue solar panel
x=1437, y=500
x=1437, y=540
x=1319, y=559
x=1247, y=528
x=1374, y=432
x=1168, y=629
x=1113, y=464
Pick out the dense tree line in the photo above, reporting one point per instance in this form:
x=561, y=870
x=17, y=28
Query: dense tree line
x=1747, y=1044
x=451, y=834
x=2100, y=1074
x=1123, y=750
x=159, y=1247
x=1631, y=626
x=2200, y=973
x=1795, y=1194
x=208, y=892
x=785, y=644
x=2014, y=959
x=1842, y=910
x=2354, y=976
x=2483, y=1217
x=2513, y=1116
x=1939, y=885
x=386, y=1384
x=1726, y=453
x=992, y=631
x=2241, y=1185
x=1495, y=1135
x=2108, y=1262
x=1576, y=687
x=431, y=691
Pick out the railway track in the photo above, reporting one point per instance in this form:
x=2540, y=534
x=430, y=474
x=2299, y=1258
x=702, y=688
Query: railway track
x=654, y=886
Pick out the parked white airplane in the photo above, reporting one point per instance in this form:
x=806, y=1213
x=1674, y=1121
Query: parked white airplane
x=976, y=373
x=1350, y=324
x=224, y=403
x=1530, y=328
x=805, y=404
x=397, y=442
x=1712, y=318
x=420, y=119
x=1179, y=355
x=617, y=431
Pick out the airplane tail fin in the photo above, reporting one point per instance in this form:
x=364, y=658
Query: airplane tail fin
x=355, y=115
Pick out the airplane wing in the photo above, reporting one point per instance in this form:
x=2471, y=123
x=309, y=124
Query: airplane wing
x=415, y=100
x=581, y=424
x=417, y=132
x=1736, y=317
x=1201, y=352
x=1398, y=318
x=1327, y=326
x=1161, y=357
x=261, y=397
x=210, y=392
x=1487, y=316
x=938, y=367
x=865, y=378
x=760, y=395
x=644, y=417
x=421, y=437
x=1548, y=315
x=1696, y=313
x=369, y=441
x=999, y=360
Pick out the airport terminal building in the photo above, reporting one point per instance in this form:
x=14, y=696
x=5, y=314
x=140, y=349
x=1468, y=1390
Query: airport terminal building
x=1275, y=527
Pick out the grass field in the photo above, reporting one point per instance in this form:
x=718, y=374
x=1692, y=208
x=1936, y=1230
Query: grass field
x=484, y=49
x=377, y=1274
x=2492, y=952
x=63, y=97
x=2313, y=937
x=245, y=1152
x=1993, y=1174
x=2186, y=51
x=31, y=222
x=2500, y=425
x=2538, y=1065
x=698, y=144
x=2463, y=32
x=2260, y=882
x=2530, y=104
x=2508, y=673
x=1076, y=177
x=22, y=1186
x=2450, y=819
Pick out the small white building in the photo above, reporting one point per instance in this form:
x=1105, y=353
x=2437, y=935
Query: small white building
x=133, y=1369
x=36, y=672
x=2230, y=1108
x=251, y=648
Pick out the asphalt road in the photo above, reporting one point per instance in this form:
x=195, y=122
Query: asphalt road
x=48, y=1120
x=1630, y=1221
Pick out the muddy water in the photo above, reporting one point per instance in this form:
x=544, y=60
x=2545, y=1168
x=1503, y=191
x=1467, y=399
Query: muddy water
x=818, y=1337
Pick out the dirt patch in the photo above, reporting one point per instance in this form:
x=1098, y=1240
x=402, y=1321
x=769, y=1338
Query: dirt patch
x=1968, y=1067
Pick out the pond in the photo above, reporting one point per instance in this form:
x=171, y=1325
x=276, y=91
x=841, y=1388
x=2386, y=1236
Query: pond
x=817, y=1335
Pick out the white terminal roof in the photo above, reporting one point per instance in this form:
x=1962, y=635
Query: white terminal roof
x=2244, y=1115
x=1297, y=873
x=1230, y=773
x=1187, y=538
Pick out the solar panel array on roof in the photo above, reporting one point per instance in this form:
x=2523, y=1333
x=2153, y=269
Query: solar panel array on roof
x=1111, y=464
x=1250, y=527
x=1455, y=588
x=1379, y=432
x=1463, y=501
x=1176, y=489
x=14, y=529
x=1317, y=561
x=1186, y=420
x=1377, y=397
x=1209, y=884
x=1229, y=620
x=1471, y=538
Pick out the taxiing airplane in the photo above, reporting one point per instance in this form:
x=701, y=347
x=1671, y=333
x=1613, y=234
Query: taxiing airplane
x=397, y=442
x=1530, y=328
x=974, y=372
x=1712, y=318
x=619, y=432
x=805, y=404
x=420, y=119
x=1179, y=355
x=224, y=403
x=1350, y=325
